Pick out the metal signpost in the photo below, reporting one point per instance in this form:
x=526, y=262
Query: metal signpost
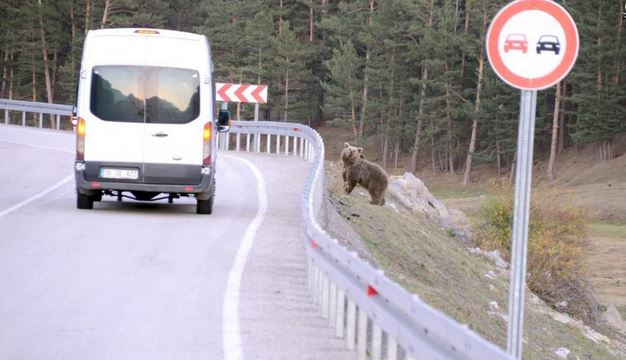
x=531, y=45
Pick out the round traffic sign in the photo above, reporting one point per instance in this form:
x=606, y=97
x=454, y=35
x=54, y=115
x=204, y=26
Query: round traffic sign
x=532, y=44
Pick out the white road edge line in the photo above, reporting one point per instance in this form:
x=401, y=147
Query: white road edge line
x=231, y=334
x=36, y=196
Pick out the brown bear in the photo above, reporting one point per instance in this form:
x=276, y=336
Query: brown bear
x=357, y=170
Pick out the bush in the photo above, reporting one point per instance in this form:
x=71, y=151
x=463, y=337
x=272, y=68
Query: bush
x=556, y=244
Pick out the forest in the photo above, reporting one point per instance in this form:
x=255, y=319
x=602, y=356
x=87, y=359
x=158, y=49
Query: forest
x=409, y=77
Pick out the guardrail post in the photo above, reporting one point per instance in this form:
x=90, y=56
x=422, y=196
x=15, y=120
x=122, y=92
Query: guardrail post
x=23, y=118
x=325, y=296
x=286, y=144
x=392, y=348
x=332, y=311
x=351, y=325
x=377, y=342
x=341, y=309
x=237, y=148
x=6, y=116
x=40, y=120
x=268, y=141
x=362, y=335
x=58, y=122
x=248, y=142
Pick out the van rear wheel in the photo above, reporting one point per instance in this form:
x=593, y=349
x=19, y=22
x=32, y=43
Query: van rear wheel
x=84, y=201
x=204, y=206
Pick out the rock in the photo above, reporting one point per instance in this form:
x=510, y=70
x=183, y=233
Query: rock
x=562, y=352
x=410, y=192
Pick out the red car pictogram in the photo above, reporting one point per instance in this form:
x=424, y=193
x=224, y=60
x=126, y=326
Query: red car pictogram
x=516, y=42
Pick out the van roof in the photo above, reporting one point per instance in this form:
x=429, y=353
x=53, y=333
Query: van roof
x=132, y=32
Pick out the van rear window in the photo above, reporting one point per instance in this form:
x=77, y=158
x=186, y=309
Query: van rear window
x=145, y=94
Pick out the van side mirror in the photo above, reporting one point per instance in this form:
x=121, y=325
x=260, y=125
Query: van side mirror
x=223, y=120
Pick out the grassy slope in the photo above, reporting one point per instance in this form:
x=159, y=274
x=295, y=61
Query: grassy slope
x=427, y=261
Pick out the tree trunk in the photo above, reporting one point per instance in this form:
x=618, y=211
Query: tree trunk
x=280, y=18
x=498, y=158
x=396, y=153
x=555, y=132
x=34, y=81
x=385, y=148
x=512, y=173
x=618, y=47
x=365, y=74
x=420, y=120
x=87, y=16
x=465, y=30
x=73, y=39
x=44, y=54
x=311, y=21
x=286, y=108
x=432, y=149
x=5, y=70
x=105, y=13
x=11, y=78
x=472, y=145
x=449, y=119
x=420, y=110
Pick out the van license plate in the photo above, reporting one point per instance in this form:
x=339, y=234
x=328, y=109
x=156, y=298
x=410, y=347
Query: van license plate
x=109, y=173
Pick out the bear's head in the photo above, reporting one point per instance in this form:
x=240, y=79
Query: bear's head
x=350, y=154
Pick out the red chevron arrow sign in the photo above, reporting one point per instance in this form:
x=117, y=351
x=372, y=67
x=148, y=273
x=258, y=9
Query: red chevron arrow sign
x=245, y=93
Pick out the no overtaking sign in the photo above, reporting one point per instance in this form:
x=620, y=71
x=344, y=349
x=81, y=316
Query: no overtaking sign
x=532, y=44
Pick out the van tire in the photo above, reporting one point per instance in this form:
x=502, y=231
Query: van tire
x=84, y=201
x=204, y=206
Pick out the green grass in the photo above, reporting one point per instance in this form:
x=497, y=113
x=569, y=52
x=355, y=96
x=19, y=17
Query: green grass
x=608, y=229
x=426, y=260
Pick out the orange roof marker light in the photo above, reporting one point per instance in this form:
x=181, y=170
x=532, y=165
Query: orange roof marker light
x=146, y=32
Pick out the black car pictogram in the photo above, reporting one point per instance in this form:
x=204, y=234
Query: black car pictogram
x=548, y=43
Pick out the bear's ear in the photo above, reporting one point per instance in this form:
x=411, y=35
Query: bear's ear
x=345, y=145
x=360, y=150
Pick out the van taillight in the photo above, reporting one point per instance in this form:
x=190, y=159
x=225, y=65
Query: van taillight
x=206, y=144
x=80, y=139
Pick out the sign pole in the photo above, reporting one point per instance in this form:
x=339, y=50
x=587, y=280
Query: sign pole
x=519, y=246
x=257, y=137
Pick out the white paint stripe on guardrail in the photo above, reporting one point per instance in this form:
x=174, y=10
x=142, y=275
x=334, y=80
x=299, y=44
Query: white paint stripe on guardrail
x=231, y=334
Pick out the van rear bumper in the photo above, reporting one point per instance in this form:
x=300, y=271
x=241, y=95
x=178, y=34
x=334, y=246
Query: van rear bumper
x=201, y=183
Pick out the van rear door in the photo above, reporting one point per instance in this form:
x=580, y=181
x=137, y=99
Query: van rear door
x=116, y=97
x=173, y=129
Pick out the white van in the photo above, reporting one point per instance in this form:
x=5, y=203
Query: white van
x=145, y=117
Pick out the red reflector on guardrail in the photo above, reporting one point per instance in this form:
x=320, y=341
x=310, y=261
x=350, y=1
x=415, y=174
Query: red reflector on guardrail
x=371, y=291
x=314, y=244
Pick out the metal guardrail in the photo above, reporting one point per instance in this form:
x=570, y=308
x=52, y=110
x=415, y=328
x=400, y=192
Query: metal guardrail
x=373, y=313
x=24, y=107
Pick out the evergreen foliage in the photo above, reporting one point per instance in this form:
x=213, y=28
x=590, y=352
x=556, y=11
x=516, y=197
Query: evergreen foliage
x=400, y=74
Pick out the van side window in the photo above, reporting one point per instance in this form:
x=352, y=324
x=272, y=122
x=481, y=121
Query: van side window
x=145, y=94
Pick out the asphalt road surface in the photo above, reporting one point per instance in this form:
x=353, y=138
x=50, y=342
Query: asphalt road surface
x=139, y=280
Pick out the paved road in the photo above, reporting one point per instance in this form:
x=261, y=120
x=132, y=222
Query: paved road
x=138, y=280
